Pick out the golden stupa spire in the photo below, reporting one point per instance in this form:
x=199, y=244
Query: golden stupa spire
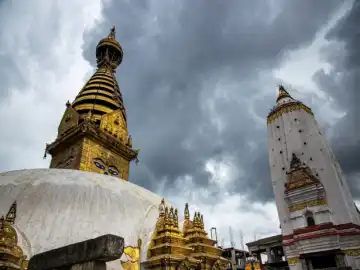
x=166, y=216
x=11, y=215
x=186, y=211
x=168, y=247
x=176, y=218
x=162, y=208
x=285, y=103
x=96, y=119
x=112, y=32
x=171, y=216
x=11, y=253
x=195, y=219
x=282, y=93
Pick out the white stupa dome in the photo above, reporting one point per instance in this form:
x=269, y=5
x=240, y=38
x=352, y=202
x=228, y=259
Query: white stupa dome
x=56, y=208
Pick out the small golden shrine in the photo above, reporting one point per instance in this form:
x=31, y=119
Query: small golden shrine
x=299, y=175
x=204, y=247
x=302, y=180
x=11, y=255
x=190, y=249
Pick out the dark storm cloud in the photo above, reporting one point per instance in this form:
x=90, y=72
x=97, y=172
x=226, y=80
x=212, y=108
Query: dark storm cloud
x=188, y=64
x=342, y=83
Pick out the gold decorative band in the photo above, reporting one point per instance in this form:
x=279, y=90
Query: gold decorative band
x=287, y=108
x=300, y=206
x=293, y=260
x=352, y=252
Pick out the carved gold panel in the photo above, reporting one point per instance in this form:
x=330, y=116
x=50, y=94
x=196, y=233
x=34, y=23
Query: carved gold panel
x=300, y=206
x=69, y=120
x=114, y=124
x=94, y=153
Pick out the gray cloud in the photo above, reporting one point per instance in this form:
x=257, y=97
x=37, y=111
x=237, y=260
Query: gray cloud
x=176, y=57
x=342, y=83
x=191, y=80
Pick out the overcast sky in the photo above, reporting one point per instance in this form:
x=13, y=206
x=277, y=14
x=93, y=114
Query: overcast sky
x=198, y=79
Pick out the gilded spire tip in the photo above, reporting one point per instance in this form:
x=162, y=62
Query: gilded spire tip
x=176, y=218
x=11, y=215
x=162, y=208
x=186, y=211
x=112, y=32
x=282, y=93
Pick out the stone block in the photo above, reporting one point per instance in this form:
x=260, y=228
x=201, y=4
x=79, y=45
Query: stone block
x=102, y=249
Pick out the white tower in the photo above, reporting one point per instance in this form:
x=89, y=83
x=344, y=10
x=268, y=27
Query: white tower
x=319, y=219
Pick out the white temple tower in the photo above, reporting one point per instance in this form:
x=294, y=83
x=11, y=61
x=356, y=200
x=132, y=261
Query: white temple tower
x=319, y=219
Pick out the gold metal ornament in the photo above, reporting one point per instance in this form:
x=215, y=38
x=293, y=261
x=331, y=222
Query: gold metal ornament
x=11, y=254
x=96, y=121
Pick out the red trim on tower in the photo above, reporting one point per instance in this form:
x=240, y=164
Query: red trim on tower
x=339, y=230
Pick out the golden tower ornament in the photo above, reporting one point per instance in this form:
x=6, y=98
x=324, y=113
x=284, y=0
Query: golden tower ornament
x=93, y=134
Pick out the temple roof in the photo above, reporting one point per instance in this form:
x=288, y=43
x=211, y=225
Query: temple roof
x=101, y=94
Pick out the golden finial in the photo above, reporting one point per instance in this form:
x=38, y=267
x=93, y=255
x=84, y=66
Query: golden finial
x=195, y=219
x=202, y=222
x=186, y=212
x=176, y=218
x=171, y=215
x=11, y=215
x=68, y=104
x=112, y=32
x=162, y=208
x=282, y=93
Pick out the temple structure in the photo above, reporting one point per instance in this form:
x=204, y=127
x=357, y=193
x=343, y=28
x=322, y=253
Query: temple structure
x=319, y=220
x=86, y=194
x=93, y=134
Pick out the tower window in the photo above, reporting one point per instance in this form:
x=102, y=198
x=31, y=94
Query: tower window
x=283, y=168
x=295, y=119
x=300, y=130
x=305, y=143
x=310, y=221
x=279, y=139
x=277, y=126
x=302, y=154
x=281, y=152
x=311, y=158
